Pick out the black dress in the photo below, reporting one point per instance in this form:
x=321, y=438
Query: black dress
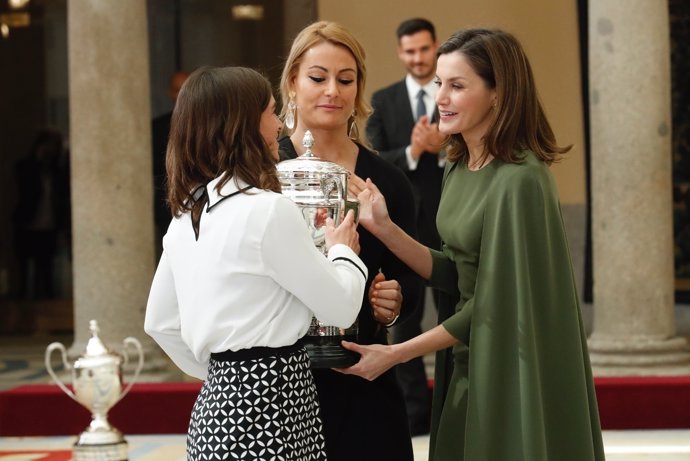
x=366, y=420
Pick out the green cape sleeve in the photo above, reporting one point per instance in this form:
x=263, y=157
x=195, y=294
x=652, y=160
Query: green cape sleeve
x=530, y=394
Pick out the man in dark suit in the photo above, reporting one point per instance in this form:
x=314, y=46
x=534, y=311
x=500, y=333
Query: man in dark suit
x=160, y=131
x=403, y=129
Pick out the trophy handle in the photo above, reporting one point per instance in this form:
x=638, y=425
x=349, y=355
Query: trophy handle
x=327, y=186
x=49, y=351
x=135, y=342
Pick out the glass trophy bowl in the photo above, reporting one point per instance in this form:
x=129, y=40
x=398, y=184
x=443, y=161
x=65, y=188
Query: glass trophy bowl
x=319, y=188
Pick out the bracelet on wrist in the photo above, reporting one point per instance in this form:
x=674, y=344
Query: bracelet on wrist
x=392, y=322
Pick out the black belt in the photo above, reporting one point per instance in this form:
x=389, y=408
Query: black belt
x=255, y=353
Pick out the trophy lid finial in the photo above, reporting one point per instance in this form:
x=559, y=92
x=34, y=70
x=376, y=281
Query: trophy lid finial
x=308, y=143
x=95, y=346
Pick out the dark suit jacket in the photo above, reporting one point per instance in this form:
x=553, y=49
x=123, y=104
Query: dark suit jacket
x=389, y=129
x=160, y=131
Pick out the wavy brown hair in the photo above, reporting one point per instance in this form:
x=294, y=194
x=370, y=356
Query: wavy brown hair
x=519, y=121
x=215, y=131
x=336, y=34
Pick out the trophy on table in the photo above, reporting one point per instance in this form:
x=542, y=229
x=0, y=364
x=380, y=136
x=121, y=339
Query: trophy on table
x=319, y=188
x=97, y=383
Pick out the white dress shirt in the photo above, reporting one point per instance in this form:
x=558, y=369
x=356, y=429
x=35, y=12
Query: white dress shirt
x=253, y=278
x=430, y=90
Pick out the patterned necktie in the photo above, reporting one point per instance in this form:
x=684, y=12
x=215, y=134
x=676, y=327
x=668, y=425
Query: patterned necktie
x=421, y=107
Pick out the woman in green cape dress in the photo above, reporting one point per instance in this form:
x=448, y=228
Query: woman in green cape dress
x=521, y=385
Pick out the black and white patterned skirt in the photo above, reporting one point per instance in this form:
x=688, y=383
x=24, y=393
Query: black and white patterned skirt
x=257, y=404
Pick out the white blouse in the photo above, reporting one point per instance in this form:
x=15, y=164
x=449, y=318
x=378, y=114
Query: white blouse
x=252, y=278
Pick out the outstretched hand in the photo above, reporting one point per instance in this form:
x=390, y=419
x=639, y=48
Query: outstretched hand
x=355, y=185
x=373, y=211
x=376, y=359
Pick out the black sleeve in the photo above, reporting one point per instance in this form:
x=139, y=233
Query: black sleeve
x=400, y=201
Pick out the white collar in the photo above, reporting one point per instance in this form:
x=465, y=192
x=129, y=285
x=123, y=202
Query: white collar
x=413, y=87
x=230, y=187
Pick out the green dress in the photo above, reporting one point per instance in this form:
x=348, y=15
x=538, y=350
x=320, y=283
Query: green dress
x=521, y=386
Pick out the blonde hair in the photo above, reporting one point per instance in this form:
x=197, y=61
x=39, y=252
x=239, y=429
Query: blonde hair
x=336, y=34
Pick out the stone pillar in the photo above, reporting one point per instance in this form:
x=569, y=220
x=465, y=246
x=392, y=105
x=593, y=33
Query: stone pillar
x=634, y=329
x=110, y=149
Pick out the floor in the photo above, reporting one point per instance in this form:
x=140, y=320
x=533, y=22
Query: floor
x=141, y=448
x=620, y=446
x=22, y=362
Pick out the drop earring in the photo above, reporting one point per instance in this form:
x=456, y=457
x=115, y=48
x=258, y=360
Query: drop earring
x=290, y=115
x=353, y=133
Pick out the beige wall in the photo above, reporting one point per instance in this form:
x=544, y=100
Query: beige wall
x=547, y=30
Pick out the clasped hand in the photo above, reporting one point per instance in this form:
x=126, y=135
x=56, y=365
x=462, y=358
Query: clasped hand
x=385, y=297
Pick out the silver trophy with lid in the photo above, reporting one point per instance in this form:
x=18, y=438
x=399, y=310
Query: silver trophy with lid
x=98, y=386
x=319, y=188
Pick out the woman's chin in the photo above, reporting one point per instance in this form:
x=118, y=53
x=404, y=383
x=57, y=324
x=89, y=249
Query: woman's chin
x=445, y=129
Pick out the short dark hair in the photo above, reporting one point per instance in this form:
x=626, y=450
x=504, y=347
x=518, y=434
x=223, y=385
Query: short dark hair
x=414, y=25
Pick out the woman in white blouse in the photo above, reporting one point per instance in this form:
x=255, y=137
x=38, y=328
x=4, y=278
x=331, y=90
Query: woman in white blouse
x=240, y=277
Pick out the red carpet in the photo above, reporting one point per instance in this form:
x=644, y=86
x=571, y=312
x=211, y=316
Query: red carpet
x=149, y=408
x=652, y=402
x=164, y=408
x=40, y=455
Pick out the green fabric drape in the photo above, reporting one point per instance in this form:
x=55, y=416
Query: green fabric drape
x=521, y=387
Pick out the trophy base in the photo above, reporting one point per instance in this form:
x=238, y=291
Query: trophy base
x=326, y=351
x=102, y=452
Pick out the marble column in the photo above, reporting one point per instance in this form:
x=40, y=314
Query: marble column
x=634, y=329
x=110, y=149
